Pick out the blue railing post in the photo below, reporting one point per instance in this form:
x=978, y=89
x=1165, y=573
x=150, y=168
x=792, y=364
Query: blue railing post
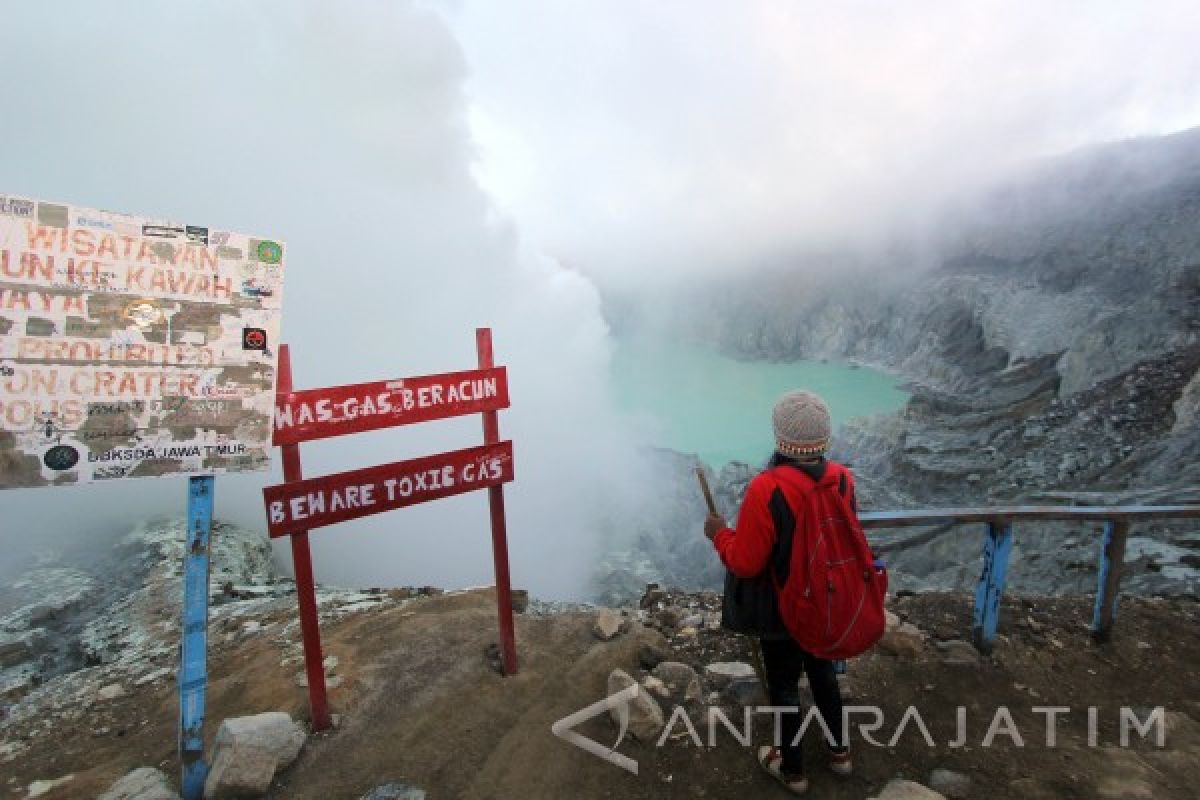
x=1108, y=585
x=991, y=584
x=193, y=663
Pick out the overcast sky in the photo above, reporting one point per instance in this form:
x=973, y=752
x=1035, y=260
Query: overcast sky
x=634, y=138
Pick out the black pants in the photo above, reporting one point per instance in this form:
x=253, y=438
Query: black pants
x=784, y=661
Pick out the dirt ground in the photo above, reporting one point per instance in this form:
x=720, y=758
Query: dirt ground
x=420, y=705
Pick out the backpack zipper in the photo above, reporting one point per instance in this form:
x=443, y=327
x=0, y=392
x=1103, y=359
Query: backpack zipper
x=862, y=599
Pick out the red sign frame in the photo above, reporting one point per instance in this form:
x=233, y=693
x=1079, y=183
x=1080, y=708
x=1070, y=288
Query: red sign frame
x=410, y=400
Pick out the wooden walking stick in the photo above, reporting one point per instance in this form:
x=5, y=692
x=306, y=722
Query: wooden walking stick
x=755, y=647
x=708, y=498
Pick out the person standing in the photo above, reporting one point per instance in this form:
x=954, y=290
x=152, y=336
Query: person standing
x=763, y=543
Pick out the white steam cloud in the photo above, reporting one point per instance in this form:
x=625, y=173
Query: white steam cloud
x=682, y=138
x=340, y=129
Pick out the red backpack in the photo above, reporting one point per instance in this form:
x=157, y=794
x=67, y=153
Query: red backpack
x=831, y=600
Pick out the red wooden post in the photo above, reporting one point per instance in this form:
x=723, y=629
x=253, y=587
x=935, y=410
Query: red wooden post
x=491, y=435
x=306, y=592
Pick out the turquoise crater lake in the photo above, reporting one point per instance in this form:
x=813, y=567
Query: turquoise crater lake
x=696, y=400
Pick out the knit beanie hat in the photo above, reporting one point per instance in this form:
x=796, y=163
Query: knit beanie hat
x=802, y=426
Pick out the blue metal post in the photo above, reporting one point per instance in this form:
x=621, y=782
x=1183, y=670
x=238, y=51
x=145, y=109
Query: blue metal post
x=991, y=585
x=193, y=662
x=1112, y=562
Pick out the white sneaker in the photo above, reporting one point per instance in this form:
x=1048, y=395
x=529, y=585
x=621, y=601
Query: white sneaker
x=770, y=759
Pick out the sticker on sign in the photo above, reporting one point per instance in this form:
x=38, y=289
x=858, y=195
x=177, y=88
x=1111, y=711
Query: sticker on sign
x=317, y=502
x=102, y=309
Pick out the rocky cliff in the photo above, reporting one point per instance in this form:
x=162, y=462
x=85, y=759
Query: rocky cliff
x=1050, y=335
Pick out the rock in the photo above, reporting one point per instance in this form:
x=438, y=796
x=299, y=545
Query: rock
x=1124, y=787
x=746, y=693
x=519, y=600
x=1179, y=725
x=680, y=679
x=39, y=788
x=144, y=783
x=655, y=685
x=952, y=784
x=645, y=716
x=330, y=663
x=898, y=789
x=394, y=791
x=493, y=658
x=944, y=633
x=111, y=692
x=668, y=617
x=1123, y=776
x=957, y=652
x=151, y=677
x=723, y=673
x=652, y=596
x=904, y=640
x=14, y=650
x=237, y=773
x=607, y=625
x=249, y=750
x=693, y=621
x=651, y=654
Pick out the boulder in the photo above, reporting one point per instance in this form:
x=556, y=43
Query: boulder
x=898, y=789
x=723, y=673
x=248, y=751
x=646, y=719
x=144, y=783
x=239, y=772
x=680, y=679
x=607, y=625
x=651, y=654
x=904, y=640
x=954, y=785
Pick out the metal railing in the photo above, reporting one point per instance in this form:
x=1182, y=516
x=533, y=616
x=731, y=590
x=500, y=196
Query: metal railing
x=998, y=547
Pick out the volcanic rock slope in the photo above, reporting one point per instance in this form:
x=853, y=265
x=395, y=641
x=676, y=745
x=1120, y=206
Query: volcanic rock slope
x=1050, y=339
